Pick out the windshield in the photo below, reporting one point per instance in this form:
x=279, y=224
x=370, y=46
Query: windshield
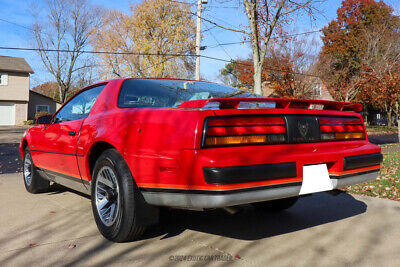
x=171, y=93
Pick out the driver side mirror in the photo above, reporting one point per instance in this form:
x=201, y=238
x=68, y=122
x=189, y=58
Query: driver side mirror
x=46, y=119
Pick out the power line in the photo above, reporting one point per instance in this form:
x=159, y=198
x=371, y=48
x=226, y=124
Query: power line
x=94, y=52
x=180, y=2
x=16, y=24
x=208, y=46
x=233, y=7
x=266, y=68
x=145, y=54
x=277, y=37
x=209, y=29
x=226, y=52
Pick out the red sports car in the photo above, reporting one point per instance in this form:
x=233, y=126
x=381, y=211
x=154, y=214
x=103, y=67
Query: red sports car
x=137, y=144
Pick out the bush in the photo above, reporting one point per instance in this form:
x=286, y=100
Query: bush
x=29, y=122
x=40, y=114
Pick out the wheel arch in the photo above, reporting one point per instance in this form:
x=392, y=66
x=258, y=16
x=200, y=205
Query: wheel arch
x=94, y=153
x=22, y=146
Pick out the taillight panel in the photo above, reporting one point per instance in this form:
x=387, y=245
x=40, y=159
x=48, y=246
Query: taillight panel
x=244, y=131
x=236, y=131
x=340, y=129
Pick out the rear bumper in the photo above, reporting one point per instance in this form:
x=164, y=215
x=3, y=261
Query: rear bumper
x=346, y=180
x=201, y=199
x=221, y=177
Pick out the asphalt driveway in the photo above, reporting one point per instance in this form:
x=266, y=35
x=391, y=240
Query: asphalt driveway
x=10, y=137
x=57, y=228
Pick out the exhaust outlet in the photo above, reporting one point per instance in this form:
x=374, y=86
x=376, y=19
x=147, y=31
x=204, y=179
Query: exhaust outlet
x=232, y=210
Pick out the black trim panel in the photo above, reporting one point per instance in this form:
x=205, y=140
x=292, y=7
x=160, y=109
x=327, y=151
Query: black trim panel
x=59, y=153
x=251, y=173
x=217, y=192
x=360, y=161
x=352, y=174
x=62, y=175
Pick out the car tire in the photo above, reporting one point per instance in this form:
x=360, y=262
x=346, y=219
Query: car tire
x=34, y=183
x=117, y=220
x=276, y=205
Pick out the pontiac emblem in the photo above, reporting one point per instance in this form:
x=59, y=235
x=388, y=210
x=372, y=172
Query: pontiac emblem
x=303, y=128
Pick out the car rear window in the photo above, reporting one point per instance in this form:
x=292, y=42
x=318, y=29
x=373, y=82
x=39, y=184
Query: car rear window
x=171, y=93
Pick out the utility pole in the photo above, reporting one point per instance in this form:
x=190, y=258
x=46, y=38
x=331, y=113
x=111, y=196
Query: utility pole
x=198, y=36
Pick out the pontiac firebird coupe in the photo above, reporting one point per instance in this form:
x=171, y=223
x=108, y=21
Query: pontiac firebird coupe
x=137, y=144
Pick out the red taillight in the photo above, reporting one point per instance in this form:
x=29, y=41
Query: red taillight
x=244, y=131
x=338, y=128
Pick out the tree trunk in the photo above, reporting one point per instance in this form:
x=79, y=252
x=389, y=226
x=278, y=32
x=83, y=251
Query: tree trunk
x=60, y=91
x=365, y=115
x=389, y=117
x=257, y=81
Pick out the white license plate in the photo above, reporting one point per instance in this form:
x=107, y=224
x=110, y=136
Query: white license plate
x=315, y=179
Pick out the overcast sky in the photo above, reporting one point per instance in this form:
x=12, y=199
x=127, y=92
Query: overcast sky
x=17, y=11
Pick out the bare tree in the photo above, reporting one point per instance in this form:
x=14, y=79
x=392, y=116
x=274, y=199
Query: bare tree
x=268, y=20
x=264, y=18
x=382, y=60
x=65, y=30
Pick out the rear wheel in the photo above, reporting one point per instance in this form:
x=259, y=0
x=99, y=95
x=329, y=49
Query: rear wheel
x=34, y=183
x=276, y=205
x=115, y=199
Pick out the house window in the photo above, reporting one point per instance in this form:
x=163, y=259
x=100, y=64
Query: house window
x=42, y=108
x=3, y=79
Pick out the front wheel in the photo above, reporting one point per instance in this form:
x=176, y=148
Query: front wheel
x=276, y=205
x=34, y=183
x=115, y=199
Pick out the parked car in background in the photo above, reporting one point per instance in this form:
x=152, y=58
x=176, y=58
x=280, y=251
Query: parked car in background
x=134, y=145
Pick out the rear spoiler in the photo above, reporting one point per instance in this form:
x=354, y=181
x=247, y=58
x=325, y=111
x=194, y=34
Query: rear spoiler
x=283, y=103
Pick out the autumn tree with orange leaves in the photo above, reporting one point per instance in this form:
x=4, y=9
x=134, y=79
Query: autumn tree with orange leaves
x=158, y=30
x=287, y=70
x=381, y=91
x=345, y=45
x=380, y=71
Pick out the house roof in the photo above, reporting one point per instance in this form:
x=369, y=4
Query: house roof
x=45, y=96
x=14, y=64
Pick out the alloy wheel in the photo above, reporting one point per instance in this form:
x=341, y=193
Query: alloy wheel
x=107, y=195
x=28, y=169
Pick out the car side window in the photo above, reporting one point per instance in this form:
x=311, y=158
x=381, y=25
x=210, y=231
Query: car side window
x=80, y=106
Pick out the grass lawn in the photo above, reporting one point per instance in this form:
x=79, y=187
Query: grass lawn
x=381, y=129
x=388, y=183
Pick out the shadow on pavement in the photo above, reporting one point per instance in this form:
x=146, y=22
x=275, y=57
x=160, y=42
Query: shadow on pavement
x=308, y=212
x=252, y=225
x=10, y=161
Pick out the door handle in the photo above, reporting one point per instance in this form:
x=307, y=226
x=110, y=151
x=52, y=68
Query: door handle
x=72, y=133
